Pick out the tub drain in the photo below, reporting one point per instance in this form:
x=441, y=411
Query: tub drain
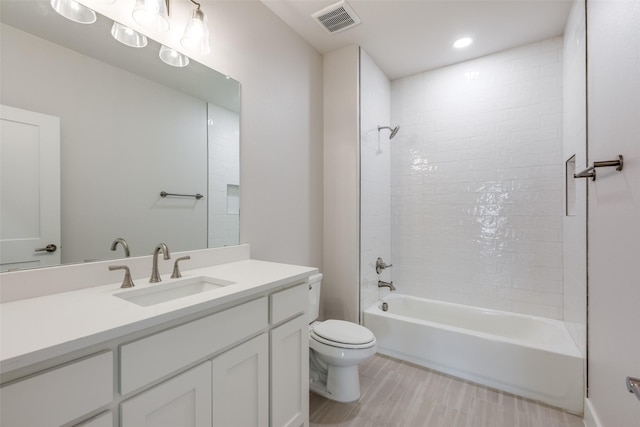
x=385, y=306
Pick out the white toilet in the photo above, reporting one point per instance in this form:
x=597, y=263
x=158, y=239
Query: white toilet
x=336, y=348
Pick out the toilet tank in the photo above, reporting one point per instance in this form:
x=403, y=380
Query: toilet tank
x=315, y=282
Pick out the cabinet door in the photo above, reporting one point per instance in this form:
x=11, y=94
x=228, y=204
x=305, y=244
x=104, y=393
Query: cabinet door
x=184, y=400
x=290, y=373
x=241, y=385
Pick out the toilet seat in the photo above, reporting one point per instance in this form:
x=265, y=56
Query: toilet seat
x=342, y=334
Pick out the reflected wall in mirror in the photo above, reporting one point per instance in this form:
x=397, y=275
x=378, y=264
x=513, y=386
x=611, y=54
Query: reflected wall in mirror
x=130, y=128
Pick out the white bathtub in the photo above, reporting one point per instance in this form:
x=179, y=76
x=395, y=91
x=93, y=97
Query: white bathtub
x=525, y=355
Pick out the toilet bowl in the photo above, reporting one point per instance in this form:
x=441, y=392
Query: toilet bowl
x=336, y=348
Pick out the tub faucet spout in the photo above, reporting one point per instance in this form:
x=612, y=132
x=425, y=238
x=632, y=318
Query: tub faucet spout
x=389, y=285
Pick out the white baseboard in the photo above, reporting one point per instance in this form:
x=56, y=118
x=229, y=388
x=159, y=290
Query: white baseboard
x=590, y=416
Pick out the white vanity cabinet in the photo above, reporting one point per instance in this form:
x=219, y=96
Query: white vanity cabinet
x=238, y=362
x=290, y=357
x=231, y=390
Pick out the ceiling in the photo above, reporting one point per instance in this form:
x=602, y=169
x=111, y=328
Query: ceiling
x=405, y=37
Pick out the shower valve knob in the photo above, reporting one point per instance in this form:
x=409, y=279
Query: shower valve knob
x=380, y=265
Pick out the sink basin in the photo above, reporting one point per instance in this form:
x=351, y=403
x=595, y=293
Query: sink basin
x=175, y=289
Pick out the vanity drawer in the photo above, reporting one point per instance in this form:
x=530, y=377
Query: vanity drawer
x=289, y=302
x=59, y=396
x=159, y=355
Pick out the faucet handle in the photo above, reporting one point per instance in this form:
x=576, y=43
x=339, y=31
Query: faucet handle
x=380, y=265
x=126, y=281
x=176, y=269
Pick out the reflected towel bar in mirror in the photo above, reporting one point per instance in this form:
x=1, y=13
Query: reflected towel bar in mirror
x=164, y=194
x=591, y=172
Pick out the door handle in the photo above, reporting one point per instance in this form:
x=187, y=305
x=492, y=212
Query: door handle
x=633, y=385
x=49, y=248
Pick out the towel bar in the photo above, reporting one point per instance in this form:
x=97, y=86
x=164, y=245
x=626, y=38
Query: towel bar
x=591, y=172
x=165, y=194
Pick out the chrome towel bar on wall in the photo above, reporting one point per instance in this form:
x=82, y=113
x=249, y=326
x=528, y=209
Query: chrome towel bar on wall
x=591, y=172
x=164, y=194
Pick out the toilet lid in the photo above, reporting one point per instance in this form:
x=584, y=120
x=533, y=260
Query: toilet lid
x=343, y=332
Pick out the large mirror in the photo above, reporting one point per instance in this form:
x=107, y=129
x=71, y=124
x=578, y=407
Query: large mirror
x=129, y=128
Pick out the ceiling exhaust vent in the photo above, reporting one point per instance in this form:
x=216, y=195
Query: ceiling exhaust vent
x=337, y=17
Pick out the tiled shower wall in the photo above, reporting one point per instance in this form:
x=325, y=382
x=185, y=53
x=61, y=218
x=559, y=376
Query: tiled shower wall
x=477, y=180
x=224, y=177
x=375, y=179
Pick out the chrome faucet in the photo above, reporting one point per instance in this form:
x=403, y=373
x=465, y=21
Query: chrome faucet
x=155, y=274
x=389, y=285
x=124, y=244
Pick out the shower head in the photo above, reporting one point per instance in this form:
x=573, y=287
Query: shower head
x=394, y=130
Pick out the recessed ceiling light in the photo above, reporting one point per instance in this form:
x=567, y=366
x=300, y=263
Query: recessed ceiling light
x=463, y=42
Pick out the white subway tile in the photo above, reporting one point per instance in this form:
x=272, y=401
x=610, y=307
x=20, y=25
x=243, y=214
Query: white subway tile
x=476, y=181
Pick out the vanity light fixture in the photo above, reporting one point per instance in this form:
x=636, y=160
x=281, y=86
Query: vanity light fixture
x=173, y=57
x=74, y=11
x=127, y=36
x=152, y=14
x=196, y=33
x=463, y=42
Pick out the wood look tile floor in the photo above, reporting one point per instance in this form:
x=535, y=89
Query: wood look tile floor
x=394, y=393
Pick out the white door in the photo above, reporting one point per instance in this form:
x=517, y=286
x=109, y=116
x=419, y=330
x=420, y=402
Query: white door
x=290, y=373
x=182, y=401
x=241, y=385
x=614, y=209
x=29, y=189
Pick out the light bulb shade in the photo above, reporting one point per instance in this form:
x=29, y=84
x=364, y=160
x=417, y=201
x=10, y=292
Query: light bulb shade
x=151, y=14
x=173, y=57
x=127, y=36
x=74, y=11
x=196, y=34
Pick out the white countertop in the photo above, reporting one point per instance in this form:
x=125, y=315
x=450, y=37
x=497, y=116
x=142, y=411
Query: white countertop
x=36, y=329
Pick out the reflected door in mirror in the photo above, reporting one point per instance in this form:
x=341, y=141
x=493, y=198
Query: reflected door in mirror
x=30, y=189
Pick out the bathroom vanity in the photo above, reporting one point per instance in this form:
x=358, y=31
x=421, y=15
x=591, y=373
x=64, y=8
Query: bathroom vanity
x=231, y=350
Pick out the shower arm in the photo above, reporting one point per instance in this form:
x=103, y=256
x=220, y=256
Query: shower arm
x=394, y=130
